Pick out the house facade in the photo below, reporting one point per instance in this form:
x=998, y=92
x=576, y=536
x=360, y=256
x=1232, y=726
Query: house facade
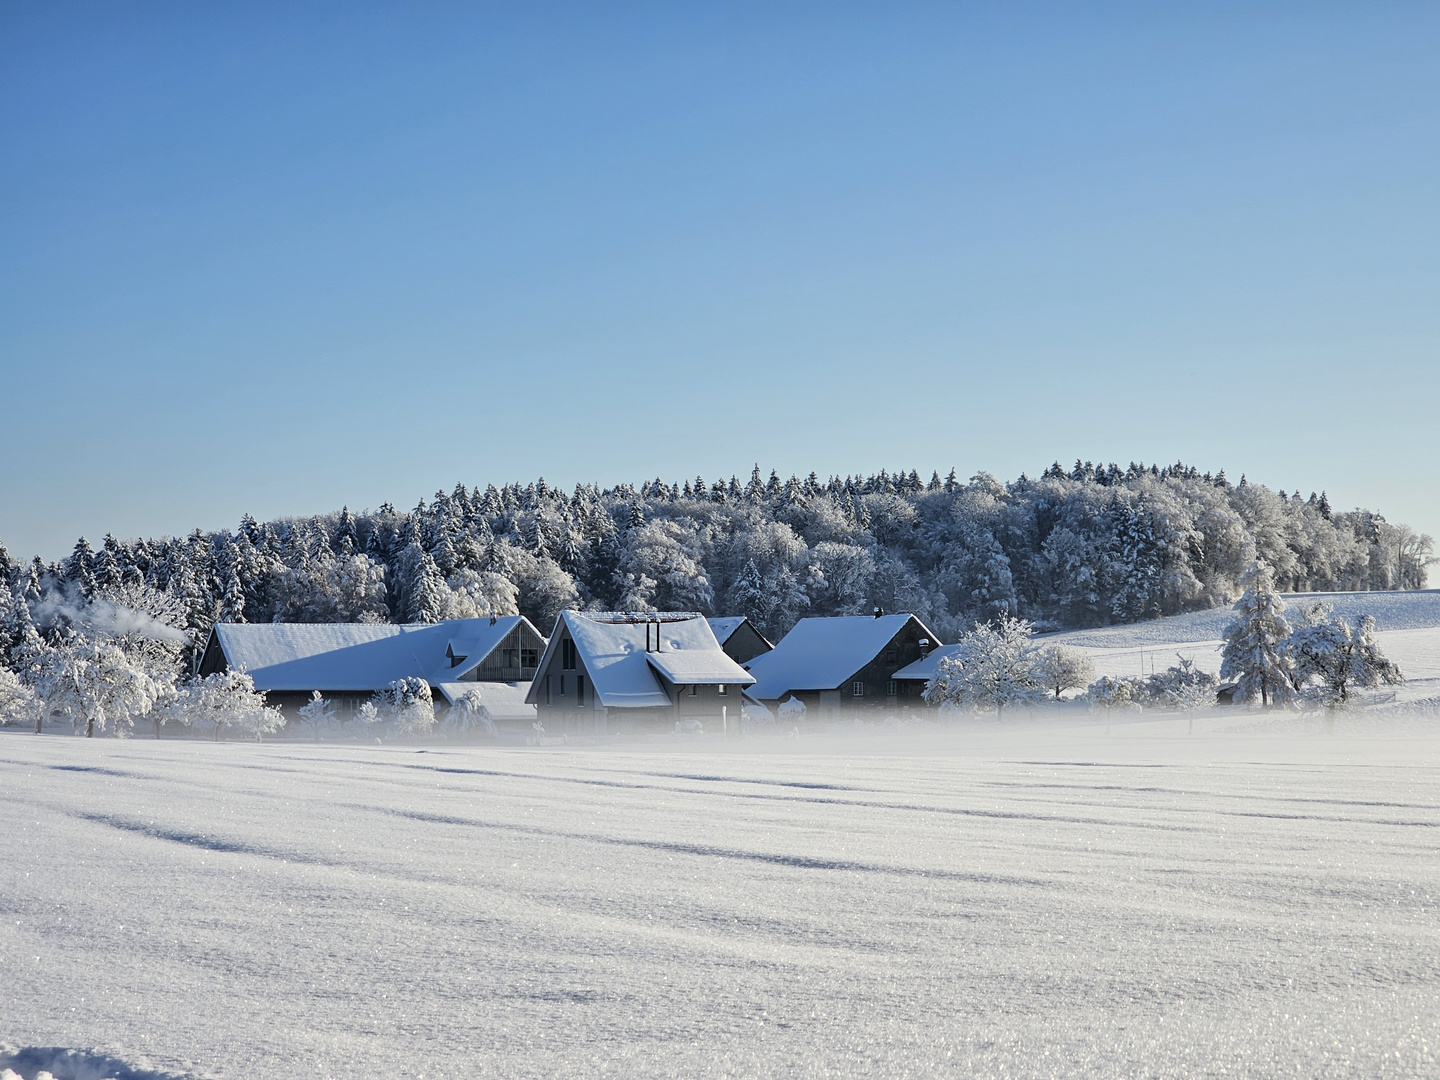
x=610, y=673
x=844, y=666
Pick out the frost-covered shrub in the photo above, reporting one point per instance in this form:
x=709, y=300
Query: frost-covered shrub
x=756, y=718
x=791, y=710
x=317, y=712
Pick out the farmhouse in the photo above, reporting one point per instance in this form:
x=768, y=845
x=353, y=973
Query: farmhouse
x=348, y=662
x=843, y=665
x=617, y=672
x=739, y=638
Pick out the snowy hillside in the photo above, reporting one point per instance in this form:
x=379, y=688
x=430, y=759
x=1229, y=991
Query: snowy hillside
x=1408, y=623
x=1026, y=901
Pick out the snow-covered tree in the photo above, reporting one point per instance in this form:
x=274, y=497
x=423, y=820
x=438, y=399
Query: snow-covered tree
x=1060, y=668
x=480, y=594
x=409, y=705
x=1183, y=687
x=368, y=715
x=426, y=597
x=469, y=715
x=317, y=712
x=95, y=685
x=1110, y=694
x=994, y=666
x=227, y=701
x=18, y=703
x=1254, y=654
x=1330, y=659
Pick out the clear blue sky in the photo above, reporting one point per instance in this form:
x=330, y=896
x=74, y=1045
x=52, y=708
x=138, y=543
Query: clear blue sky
x=269, y=260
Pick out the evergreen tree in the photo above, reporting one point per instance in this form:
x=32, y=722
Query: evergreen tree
x=427, y=596
x=1255, y=655
x=80, y=568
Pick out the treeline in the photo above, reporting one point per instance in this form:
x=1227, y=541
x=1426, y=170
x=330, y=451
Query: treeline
x=1086, y=546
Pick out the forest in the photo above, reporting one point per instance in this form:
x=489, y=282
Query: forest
x=1086, y=546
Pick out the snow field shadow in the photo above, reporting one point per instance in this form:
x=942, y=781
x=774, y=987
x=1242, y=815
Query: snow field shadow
x=60, y=1063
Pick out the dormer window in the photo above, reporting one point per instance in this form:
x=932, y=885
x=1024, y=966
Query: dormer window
x=455, y=660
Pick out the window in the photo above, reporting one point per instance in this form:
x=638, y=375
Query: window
x=890, y=655
x=567, y=655
x=562, y=685
x=694, y=689
x=579, y=691
x=857, y=688
x=529, y=657
x=547, y=689
x=890, y=688
x=722, y=689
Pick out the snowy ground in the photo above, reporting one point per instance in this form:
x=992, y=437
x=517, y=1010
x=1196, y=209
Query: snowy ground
x=1032, y=899
x=1408, y=625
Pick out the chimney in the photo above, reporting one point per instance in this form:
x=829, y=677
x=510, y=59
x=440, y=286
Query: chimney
x=879, y=611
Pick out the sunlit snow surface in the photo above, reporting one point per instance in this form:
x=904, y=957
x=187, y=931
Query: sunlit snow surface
x=1038, y=899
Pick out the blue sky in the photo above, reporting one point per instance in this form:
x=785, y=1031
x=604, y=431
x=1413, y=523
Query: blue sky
x=273, y=261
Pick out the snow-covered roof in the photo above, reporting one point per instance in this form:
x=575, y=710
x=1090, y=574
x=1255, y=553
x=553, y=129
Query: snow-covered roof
x=613, y=648
x=500, y=700
x=924, y=668
x=698, y=666
x=355, y=656
x=723, y=628
x=821, y=653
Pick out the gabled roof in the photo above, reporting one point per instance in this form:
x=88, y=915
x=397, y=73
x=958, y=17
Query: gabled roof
x=355, y=656
x=622, y=672
x=821, y=653
x=924, y=668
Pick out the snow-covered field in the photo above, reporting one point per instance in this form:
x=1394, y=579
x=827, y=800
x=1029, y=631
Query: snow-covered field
x=1031, y=899
x=1408, y=625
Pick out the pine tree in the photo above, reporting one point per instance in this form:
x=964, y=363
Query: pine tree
x=80, y=568
x=229, y=582
x=1254, y=654
x=427, y=596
